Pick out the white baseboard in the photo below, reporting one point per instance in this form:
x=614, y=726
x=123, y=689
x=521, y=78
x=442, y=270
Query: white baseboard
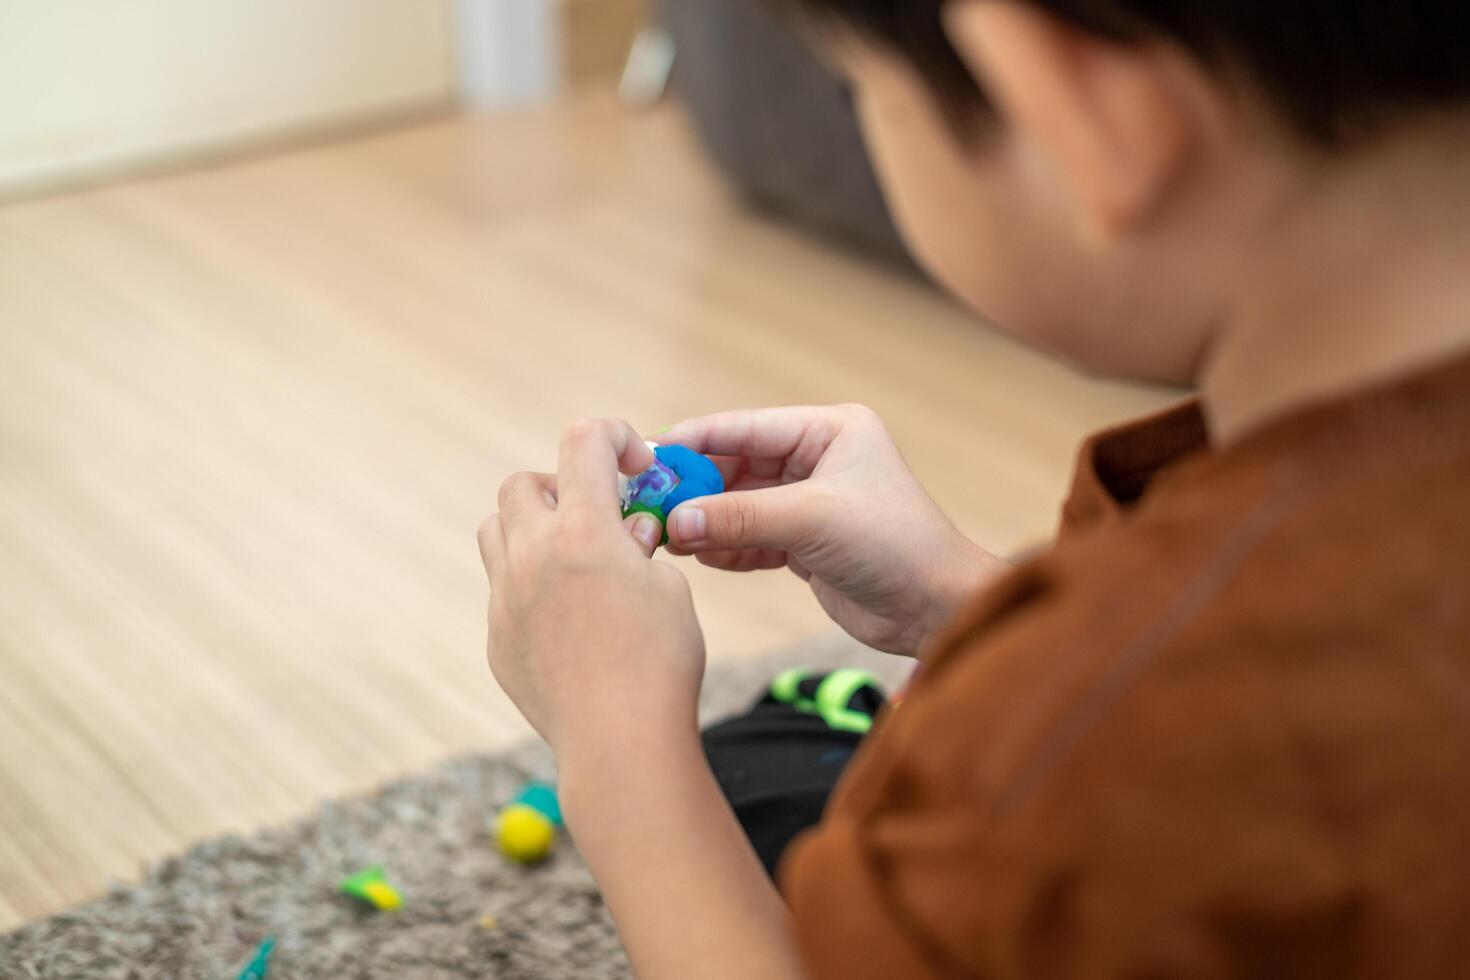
x=211, y=148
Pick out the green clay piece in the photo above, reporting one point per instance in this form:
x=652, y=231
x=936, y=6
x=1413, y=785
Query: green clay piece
x=541, y=797
x=260, y=962
x=651, y=511
x=371, y=886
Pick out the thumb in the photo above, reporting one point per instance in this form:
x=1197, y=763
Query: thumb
x=777, y=518
x=646, y=530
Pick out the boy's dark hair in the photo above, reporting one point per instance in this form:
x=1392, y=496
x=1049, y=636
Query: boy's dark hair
x=1336, y=69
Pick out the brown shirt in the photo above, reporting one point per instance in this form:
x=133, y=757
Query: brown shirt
x=1222, y=729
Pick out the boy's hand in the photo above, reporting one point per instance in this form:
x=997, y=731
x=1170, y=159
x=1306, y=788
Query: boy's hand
x=824, y=492
x=586, y=633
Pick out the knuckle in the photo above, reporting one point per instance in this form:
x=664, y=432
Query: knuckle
x=485, y=533
x=509, y=488
x=585, y=430
x=858, y=412
x=742, y=520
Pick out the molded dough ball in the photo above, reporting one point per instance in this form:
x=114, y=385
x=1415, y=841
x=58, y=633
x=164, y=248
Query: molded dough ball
x=524, y=834
x=678, y=474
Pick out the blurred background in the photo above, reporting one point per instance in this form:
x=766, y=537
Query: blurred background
x=287, y=289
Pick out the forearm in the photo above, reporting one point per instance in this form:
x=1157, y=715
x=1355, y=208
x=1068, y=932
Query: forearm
x=689, y=896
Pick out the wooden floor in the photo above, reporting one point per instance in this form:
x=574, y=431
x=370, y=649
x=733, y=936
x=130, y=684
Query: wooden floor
x=250, y=418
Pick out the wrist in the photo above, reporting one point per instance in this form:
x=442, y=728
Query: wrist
x=602, y=763
x=968, y=571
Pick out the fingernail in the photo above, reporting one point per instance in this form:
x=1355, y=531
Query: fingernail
x=689, y=524
x=659, y=432
x=648, y=531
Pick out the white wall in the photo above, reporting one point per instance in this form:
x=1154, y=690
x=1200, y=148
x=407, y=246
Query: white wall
x=91, y=86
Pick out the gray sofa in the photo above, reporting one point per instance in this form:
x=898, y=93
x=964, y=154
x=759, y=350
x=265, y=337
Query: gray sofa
x=776, y=121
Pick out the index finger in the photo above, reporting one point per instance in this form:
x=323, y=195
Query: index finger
x=593, y=453
x=772, y=433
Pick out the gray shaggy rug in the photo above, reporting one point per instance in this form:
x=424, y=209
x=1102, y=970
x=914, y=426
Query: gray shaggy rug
x=468, y=913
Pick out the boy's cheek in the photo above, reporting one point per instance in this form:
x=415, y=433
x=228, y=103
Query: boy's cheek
x=992, y=227
x=974, y=229
x=972, y=216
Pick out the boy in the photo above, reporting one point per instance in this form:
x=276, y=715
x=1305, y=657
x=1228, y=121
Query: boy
x=1223, y=728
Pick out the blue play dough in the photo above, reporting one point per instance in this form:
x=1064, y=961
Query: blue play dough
x=698, y=476
x=677, y=475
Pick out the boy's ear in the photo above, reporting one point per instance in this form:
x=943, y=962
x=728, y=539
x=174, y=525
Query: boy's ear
x=1116, y=120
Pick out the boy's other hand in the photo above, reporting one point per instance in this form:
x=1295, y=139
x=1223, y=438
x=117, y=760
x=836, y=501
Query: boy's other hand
x=587, y=636
x=825, y=492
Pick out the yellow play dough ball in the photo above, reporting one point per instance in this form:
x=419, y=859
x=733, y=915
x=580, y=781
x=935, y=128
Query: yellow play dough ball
x=524, y=834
